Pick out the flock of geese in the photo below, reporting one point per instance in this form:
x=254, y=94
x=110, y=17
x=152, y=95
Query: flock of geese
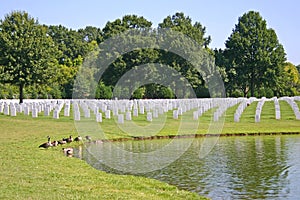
x=67, y=151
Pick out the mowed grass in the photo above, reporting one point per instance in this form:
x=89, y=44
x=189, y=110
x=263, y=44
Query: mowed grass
x=186, y=125
x=28, y=172
x=268, y=123
x=31, y=173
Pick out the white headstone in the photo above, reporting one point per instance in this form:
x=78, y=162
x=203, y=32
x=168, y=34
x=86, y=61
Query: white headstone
x=34, y=113
x=259, y=109
x=149, y=116
x=257, y=118
x=179, y=111
x=47, y=111
x=13, y=110
x=277, y=108
x=122, y=109
x=107, y=114
x=56, y=114
x=26, y=110
x=195, y=115
x=128, y=116
x=155, y=113
x=87, y=113
x=135, y=112
x=20, y=108
x=1, y=107
x=277, y=114
x=120, y=118
x=175, y=114
x=6, y=109
x=99, y=117
x=76, y=115
x=236, y=117
x=67, y=110
x=142, y=110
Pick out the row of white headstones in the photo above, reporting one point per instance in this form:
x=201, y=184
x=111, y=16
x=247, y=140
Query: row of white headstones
x=126, y=109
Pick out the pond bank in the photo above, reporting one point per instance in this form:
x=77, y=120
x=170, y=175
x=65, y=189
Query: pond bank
x=195, y=136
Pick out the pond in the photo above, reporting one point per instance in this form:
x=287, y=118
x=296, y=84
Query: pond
x=251, y=167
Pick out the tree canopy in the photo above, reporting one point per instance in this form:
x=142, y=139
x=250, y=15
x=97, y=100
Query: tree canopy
x=254, y=55
x=43, y=61
x=26, y=52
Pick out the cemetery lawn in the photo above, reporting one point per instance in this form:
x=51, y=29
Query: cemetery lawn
x=268, y=124
x=28, y=172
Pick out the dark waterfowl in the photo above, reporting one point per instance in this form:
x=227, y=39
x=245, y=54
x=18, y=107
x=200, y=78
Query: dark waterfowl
x=88, y=138
x=46, y=144
x=68, y=151
x=70, y=139
x=61, y=142
x=54, y=143
x=78, y=138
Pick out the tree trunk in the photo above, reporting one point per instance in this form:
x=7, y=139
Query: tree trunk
x=21, y=93
x=245, y=92
x=252, y=86
x=252, y=90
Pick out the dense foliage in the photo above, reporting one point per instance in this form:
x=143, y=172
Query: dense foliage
x=253, y=58
x=42, y=61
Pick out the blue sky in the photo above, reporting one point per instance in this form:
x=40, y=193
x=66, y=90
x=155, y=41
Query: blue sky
x=219, y=17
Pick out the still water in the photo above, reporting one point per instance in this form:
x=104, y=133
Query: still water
x=253, y=167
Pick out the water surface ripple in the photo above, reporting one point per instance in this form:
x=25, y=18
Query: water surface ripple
x=252, y=167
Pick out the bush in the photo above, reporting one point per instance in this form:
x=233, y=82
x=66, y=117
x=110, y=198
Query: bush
x=202, y=92
x=103, y=91
x=139, y=93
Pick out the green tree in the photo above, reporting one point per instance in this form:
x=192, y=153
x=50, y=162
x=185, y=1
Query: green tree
x=227, y=72
x=127, y=22
x=90, y=34
x=103, y=91
x=26, y=52
x=183, y=24
x=298, y=68
x=70, y=43
x=131, y=59
x=291, y=80
x=84, y=86
x=256, y=55
x=73, y=46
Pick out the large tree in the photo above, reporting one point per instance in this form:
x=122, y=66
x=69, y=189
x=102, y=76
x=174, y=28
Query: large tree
x=26, y=52
x=127, y=22
x=90, y=33
x=291, y=80
x=179, y=22
x=256, y=55
x=130, y=59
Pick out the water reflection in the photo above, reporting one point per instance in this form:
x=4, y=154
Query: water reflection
x=262, y=167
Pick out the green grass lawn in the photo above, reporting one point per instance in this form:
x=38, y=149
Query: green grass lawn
x=268, y=123
x=31, y=173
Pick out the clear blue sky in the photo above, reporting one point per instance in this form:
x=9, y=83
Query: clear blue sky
x=219, y=17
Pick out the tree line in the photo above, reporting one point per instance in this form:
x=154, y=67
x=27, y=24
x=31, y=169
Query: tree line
x=42, y=61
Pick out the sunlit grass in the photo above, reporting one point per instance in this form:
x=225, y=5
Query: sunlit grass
x=30, y=173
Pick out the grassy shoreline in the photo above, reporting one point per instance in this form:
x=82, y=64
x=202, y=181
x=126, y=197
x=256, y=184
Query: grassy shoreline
x=31, y=173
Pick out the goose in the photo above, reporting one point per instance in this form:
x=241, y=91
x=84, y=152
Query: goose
x=70, y=139
x=88, y=138
x=61, y=142
x=54, y=143
x=78, y=138
x=46, y=144
x=68, y=151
